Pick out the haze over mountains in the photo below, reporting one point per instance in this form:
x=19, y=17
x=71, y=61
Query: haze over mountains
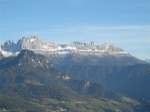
x=33, y=69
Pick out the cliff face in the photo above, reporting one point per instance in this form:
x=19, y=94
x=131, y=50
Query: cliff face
x=30, y=43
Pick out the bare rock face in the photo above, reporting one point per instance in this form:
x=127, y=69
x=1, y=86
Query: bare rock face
x=36, y=44
x=108, y=47
x=30, y=43
x=9, y=46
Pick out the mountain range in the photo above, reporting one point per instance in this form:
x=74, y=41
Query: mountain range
x=34, y=43
x=54, y=77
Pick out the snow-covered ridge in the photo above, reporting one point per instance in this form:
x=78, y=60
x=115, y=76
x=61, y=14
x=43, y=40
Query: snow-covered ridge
x=35, y=44
x=8, y=54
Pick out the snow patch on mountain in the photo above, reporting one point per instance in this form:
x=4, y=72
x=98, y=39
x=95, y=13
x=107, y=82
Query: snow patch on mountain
x=7, y=54
x=32, y=39
x=35, y=44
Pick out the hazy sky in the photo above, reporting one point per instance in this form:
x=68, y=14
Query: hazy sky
x=125, y=23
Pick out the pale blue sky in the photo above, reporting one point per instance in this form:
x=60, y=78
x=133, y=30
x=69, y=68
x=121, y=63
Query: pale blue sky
x=125, y=23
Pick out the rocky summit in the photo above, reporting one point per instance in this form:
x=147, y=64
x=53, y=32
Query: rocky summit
x=34, y=43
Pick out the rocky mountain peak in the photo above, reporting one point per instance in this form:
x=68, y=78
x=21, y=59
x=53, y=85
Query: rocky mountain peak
x=9, y=46
x=32, y=42
x=109, y=47
x=35, y=44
